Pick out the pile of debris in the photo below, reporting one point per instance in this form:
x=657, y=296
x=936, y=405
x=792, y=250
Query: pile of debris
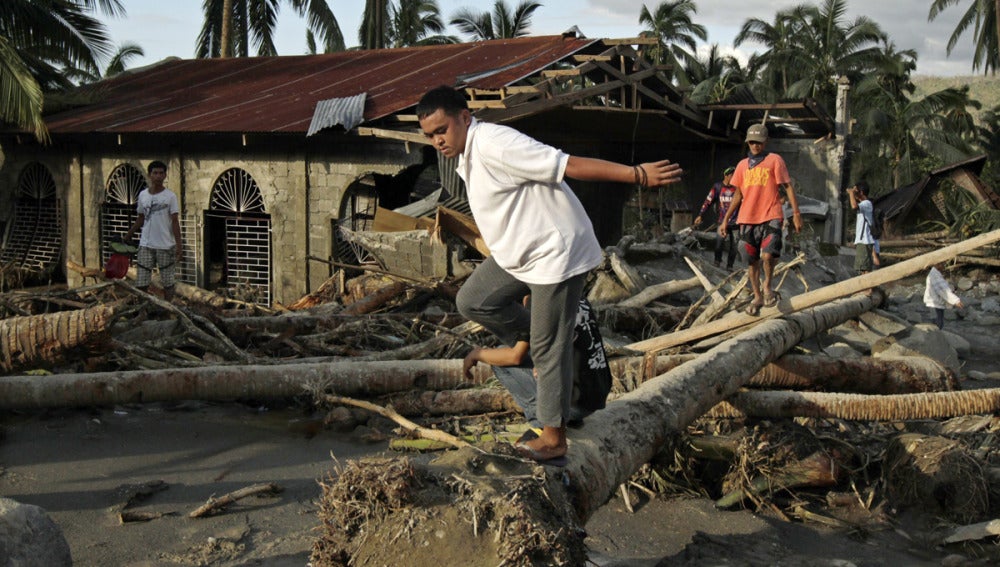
x=823, y=390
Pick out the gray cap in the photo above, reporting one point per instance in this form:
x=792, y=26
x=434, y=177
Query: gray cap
x=757, y=133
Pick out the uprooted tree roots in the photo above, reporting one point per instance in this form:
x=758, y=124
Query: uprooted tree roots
x=466, y=507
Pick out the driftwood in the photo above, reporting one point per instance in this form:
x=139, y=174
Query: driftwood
x=215, y=505
x=376, y=300
x=717, y=308
x=390, y=413
x=187, y=291
x=654, y=292
x=819, y=296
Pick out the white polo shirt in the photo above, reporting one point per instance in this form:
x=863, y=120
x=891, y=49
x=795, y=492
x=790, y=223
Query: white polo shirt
x=535, y=227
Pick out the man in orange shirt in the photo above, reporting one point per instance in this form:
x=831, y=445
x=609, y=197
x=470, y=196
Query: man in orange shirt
x=760, y=178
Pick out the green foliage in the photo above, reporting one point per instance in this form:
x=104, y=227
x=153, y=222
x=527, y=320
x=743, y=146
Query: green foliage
x=39, y=40
x=672, y=25
x=502, y=23
x=982, y=16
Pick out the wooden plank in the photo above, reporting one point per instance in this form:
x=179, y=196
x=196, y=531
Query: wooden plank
x=575, y=72
x=705, y=282
x=394, y=135
x=630, y=41
x=463, y=227
x=476, y=104
x=391, y=221
x=820, y=296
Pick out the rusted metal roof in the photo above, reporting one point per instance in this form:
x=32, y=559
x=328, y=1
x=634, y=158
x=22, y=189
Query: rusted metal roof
x=280, y=94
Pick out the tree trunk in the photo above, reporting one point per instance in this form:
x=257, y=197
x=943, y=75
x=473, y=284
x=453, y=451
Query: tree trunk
x=226, y=33
x=615, y=442
x=35, y=340
x=819, y=296
x=858, y=407
x=858, y=375
x=231, y=382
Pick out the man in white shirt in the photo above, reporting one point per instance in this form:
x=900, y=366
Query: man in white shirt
x=540, y=239
x=160, y=237
x=864, y=243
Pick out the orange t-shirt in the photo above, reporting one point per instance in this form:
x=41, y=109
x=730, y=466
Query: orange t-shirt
x=761, y=202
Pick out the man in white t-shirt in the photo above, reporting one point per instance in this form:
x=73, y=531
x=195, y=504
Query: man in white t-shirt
x=540, y=239
x=160, y=238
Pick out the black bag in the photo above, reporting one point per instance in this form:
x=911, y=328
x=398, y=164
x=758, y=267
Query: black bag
x=878, y=223
x=593, y=376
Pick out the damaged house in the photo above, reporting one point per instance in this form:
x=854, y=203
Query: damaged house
x=278, y=161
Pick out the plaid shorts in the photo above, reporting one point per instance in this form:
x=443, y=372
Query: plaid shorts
x=148, y=258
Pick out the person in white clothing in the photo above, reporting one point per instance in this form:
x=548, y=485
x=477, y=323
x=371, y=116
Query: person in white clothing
x=864, y=243
x=160, y=237
x=540, y=239
x=938, y=295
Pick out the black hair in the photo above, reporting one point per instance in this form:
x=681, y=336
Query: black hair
x=441, y=98
x=862, y=187
x=156, y=164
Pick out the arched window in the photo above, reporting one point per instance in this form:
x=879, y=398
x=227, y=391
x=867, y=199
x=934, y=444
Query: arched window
x=124, y=185
x=35, y=242
x=238, y=239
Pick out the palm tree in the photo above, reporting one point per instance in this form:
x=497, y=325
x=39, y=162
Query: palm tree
x=895, y=134
x=674, y=30
x=778, y=41
x=826, y=48
x=417, y=22
x=374, y=32
x=982, y=13
x=38, y=40
x=252, y=24
x=501, y=24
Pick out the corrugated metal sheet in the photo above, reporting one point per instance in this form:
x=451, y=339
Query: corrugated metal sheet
x=347, y=112
x=280, y=94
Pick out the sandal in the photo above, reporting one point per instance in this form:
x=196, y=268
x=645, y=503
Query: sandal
x=771, y=299
x=753, y=309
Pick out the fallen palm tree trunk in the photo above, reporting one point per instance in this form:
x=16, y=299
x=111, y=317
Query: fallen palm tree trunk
x=857, y=375
x=859, y=407
x=26, y=342
x=819, y=296
x=230, y=382
x=863, y=375
x=527, y=515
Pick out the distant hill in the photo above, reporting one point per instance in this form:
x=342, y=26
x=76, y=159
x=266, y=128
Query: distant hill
x=985, y=89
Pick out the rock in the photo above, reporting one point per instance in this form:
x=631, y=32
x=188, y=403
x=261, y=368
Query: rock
x=977, y=375
x=884, y=323
x=924, y=339
x=841, y=350
x=29, y=538
x=965, y=284
x=990, y=305
x=957, y=342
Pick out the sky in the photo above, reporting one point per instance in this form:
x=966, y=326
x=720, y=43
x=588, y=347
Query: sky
x=165, y=28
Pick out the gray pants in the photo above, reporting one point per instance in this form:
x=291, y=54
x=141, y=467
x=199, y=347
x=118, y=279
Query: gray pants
x=520, y=382
x=493, y=298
